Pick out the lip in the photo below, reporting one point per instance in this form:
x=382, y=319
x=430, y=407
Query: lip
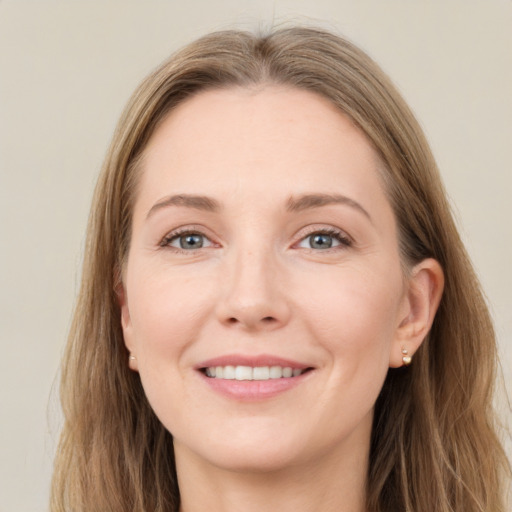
x=252, y=390
x=246, y=360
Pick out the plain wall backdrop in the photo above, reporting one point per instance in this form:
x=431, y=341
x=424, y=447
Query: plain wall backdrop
x=67, y=69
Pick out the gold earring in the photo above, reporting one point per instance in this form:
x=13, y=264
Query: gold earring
x=406, y=357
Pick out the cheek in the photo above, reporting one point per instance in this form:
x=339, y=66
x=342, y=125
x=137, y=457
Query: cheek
x=165, y=311
x=354, y=312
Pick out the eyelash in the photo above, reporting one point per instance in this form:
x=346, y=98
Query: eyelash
x=166, y=241
x=344, y=240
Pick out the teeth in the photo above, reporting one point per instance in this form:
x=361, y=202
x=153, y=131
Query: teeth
x=243, y=373
x=252, y=373
x=276, y=372
x=261, y=373
x=228, y=372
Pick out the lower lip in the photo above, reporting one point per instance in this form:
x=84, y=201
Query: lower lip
x=254, y=390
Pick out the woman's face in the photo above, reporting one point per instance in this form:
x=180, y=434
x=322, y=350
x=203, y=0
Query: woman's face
x=263, y=245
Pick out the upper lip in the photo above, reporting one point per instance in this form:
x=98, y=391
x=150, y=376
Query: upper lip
x=253, y=361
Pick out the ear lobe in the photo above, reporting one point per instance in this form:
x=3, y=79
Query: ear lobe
x=422, y=297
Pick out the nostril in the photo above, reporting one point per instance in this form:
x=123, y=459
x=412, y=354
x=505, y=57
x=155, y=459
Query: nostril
x=266, y=320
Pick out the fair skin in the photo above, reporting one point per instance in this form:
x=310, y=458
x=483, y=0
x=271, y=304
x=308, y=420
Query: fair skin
x=262, y=236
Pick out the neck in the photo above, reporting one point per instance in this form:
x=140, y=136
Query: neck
x=336, y=483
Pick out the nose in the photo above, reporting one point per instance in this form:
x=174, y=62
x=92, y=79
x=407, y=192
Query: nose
x=253, y=293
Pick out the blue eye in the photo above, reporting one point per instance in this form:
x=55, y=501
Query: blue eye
x=322, y=240
x=187, y=241
x=191, y=241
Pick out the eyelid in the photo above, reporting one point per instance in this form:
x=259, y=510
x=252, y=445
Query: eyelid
x=186, y=230
x=342, y=236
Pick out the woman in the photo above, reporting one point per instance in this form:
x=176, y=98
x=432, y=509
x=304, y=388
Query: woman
x=276, y=309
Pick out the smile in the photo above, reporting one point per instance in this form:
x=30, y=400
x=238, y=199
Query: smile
x=252, y=372
x=253, y=377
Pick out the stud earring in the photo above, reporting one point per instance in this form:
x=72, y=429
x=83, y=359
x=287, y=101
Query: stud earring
x=132, y=358
x=406, y=359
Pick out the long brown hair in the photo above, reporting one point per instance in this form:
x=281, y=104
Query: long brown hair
x=434, y=445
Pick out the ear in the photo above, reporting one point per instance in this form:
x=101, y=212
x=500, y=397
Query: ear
x=126, y=325
x=422, y=296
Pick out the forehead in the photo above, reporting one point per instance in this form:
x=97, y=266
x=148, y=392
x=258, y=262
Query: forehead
x=258, y=142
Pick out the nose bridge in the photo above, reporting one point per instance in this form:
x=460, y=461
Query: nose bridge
x=253, y=294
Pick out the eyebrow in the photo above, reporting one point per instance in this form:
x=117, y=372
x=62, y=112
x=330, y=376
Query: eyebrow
x=307, y=201
x=294, y=204
x=189, y=201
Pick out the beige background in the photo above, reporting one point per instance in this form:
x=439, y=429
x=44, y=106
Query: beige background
x=68, y=67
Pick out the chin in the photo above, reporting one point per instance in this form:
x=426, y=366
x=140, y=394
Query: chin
x=256, y=459
x=258, y=453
